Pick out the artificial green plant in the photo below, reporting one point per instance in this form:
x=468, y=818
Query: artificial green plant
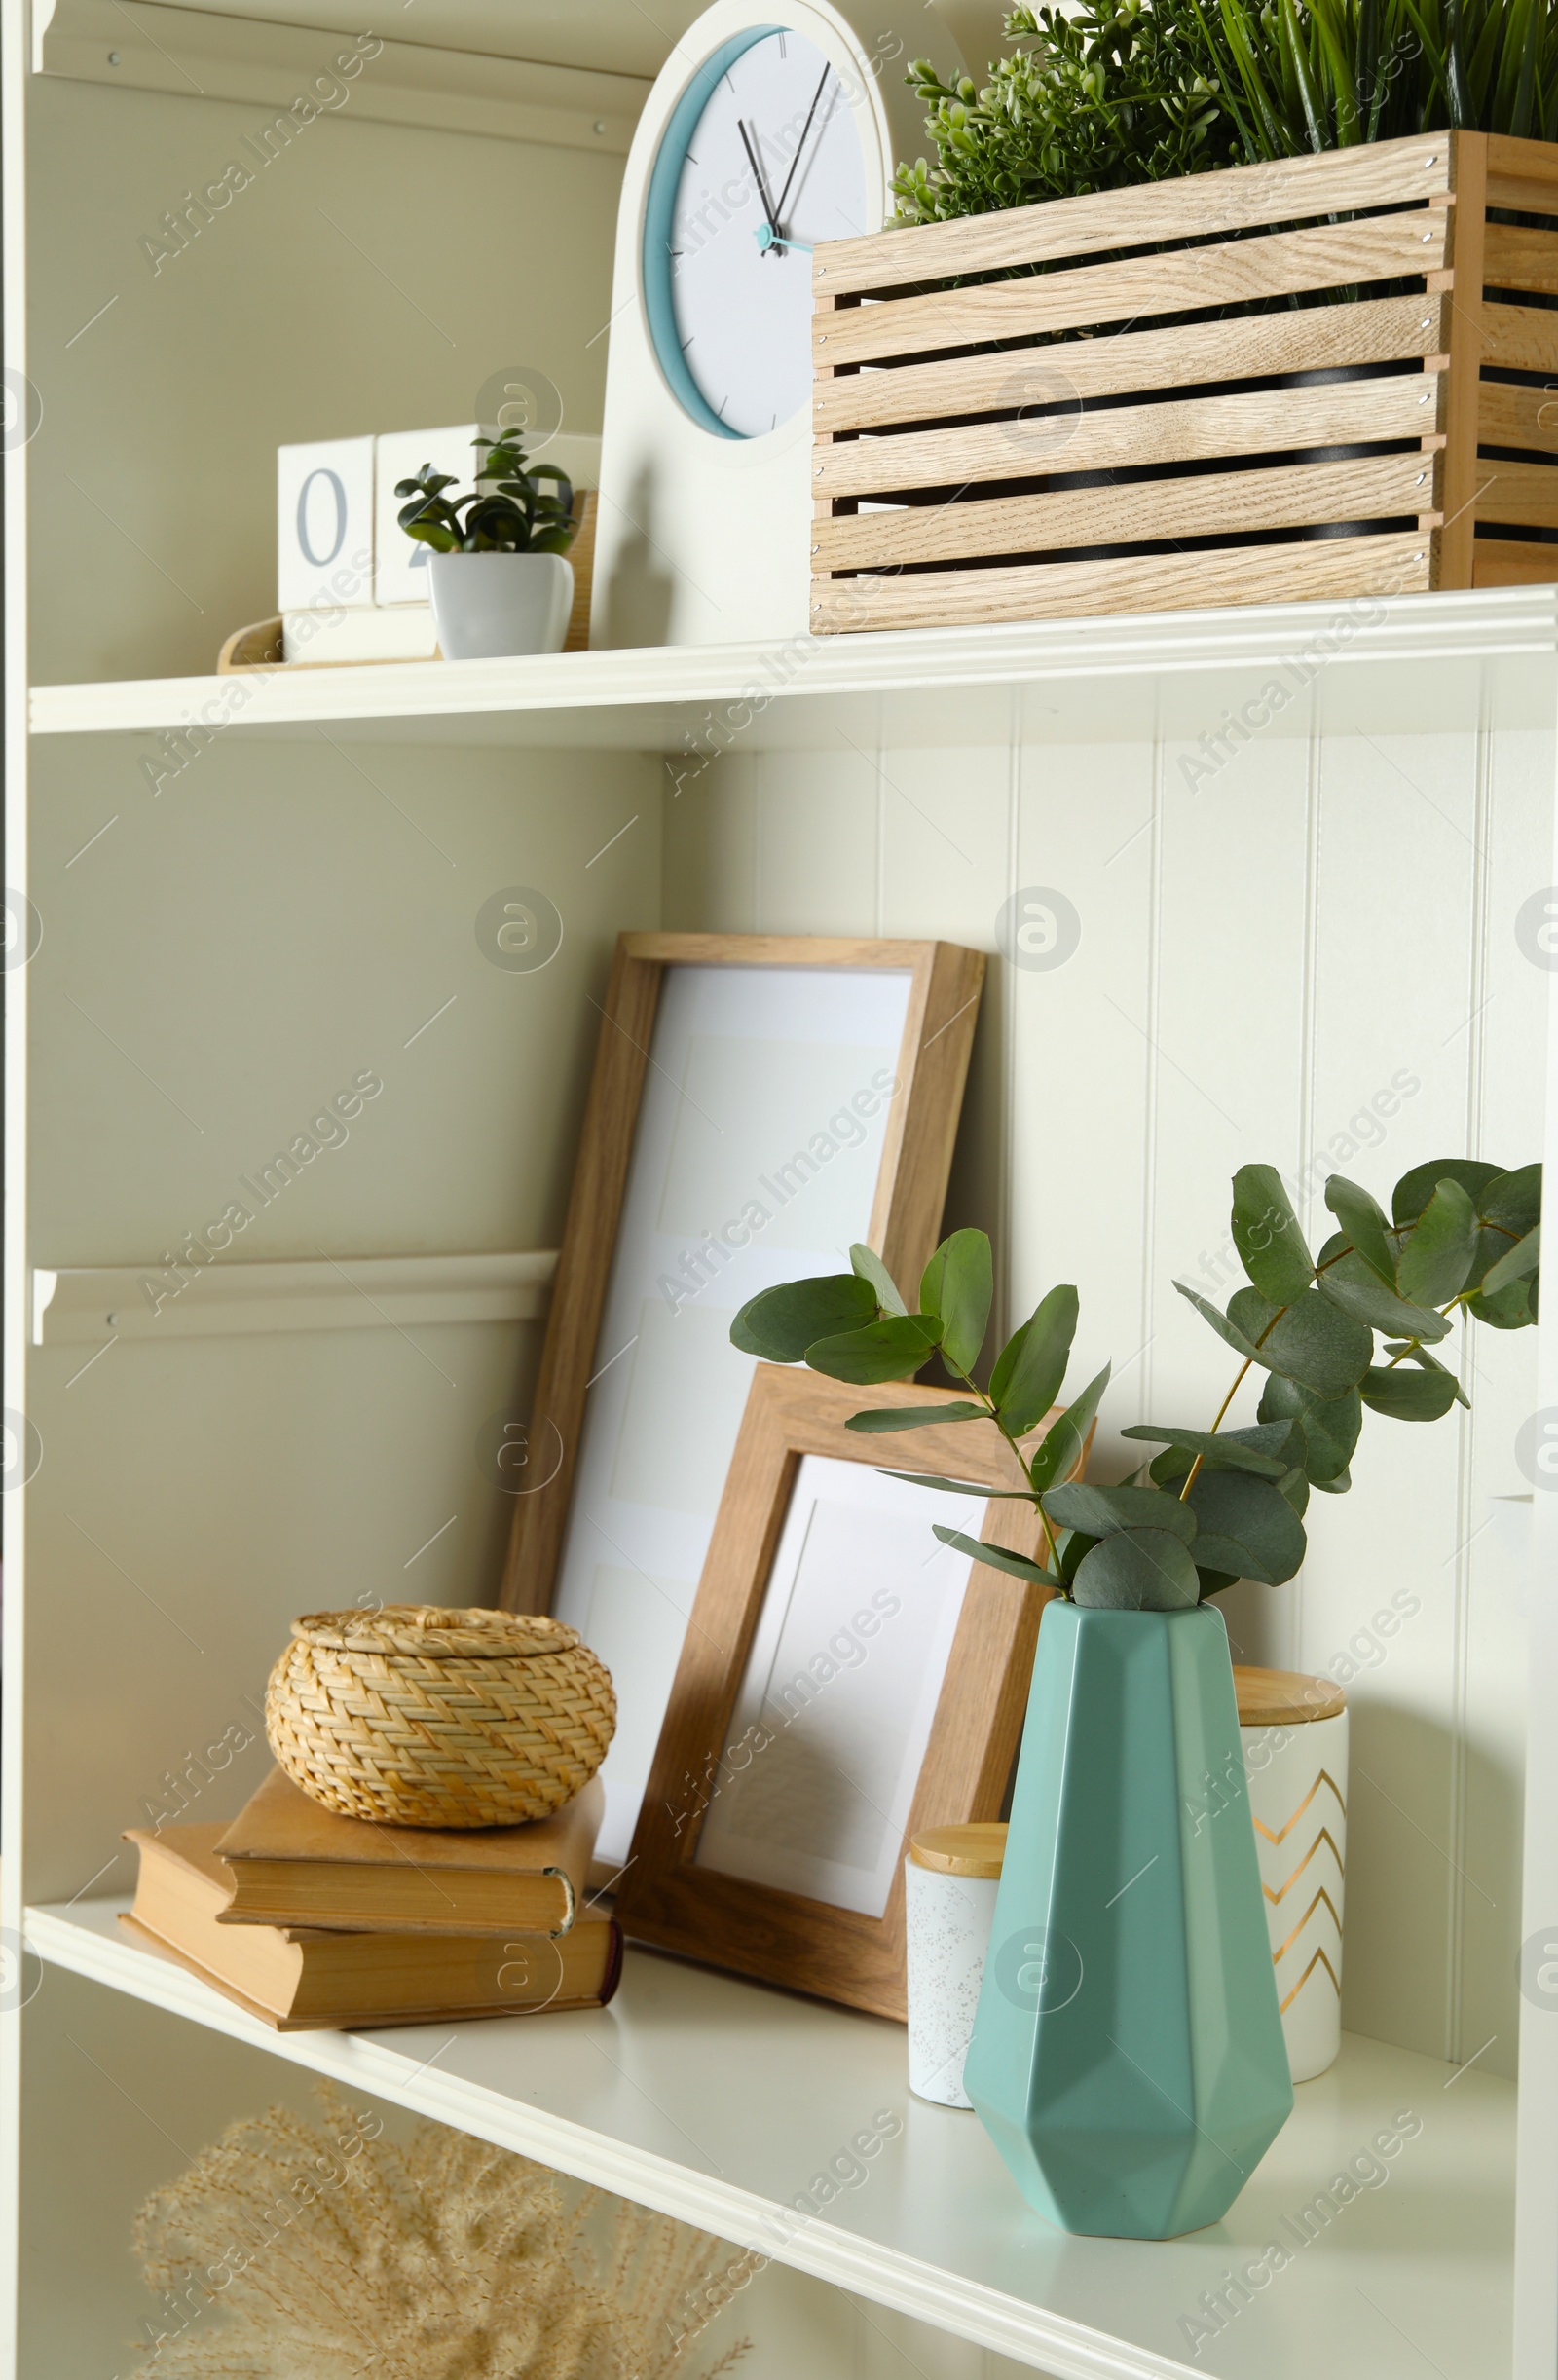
x=1216, y=1503
x=516, y=508
x=1120, y=91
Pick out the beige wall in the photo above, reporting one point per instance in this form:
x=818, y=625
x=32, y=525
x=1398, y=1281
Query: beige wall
x=370, y=279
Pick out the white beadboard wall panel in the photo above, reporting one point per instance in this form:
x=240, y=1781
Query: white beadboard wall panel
x=1232, y=1009
x=1393, y=997
x=818, y=826
x=710, y=860
x=945, y=872
x=1509, y=1037
x=1297, y=947
x=1083, y=1074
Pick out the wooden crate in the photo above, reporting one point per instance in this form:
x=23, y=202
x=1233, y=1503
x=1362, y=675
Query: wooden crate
x=970, y=374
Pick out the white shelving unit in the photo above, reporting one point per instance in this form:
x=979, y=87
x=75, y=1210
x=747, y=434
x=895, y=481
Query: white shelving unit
x=1308, y=940
x=669, y=2098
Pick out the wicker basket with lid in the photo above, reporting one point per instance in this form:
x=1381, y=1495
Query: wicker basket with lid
x=418, y=1716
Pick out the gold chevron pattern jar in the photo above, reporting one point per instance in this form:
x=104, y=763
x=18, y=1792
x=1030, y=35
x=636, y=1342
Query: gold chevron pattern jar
x=1293, y=1730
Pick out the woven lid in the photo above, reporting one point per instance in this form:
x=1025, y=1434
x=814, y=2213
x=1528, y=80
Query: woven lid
x=433, y=1633
x=1285, y=1697
x=975, y=1849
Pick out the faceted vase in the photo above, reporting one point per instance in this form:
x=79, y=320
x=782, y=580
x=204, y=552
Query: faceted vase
x=1127, y=2058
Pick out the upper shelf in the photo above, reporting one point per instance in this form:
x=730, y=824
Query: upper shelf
x=731, y=2107
x=979, y=684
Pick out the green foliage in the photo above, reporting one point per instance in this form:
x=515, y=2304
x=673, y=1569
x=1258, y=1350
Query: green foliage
x=1123, y=92
x=516, y=508
x=1215, y=1505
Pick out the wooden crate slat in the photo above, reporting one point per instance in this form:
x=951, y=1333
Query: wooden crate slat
x=1383, y=174
x=1281, y=265
x=1523, y=175
x=1511, y=415
x=1394, y=565
x=1378, y=330
x=1209, y=505
x=1522, y=338
x=1458, y=478
x=1509, y=562
x=1518, y=494
x=1517, y=256
x=1059, y=341
x=1362, y=413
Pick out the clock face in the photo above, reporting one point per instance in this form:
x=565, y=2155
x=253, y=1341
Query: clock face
x=759, y=162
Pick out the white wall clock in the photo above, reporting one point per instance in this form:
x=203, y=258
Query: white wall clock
x=766, y=133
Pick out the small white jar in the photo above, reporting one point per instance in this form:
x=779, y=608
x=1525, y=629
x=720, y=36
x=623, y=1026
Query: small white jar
x=950, y=1877
x=1293, y=1730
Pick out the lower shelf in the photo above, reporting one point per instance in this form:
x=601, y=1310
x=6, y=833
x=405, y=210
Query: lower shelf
x=740, y=2109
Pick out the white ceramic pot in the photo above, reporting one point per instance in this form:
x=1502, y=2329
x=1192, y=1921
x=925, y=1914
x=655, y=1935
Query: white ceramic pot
x=1294, y=1738
x=487, y=607
x=951, y=1878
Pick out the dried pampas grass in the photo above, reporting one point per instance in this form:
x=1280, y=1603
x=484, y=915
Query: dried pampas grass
x=291, y=2252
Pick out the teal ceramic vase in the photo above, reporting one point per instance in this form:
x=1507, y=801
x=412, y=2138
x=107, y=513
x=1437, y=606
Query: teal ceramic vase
x=1127, y=2057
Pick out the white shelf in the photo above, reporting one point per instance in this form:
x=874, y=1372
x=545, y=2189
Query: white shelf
x=1413, y=2276
x=944, y=685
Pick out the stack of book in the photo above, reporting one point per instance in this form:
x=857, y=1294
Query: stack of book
x=310, y=1919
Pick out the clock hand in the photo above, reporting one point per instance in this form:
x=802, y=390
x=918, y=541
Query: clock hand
x=761, y=180
x=799, y=148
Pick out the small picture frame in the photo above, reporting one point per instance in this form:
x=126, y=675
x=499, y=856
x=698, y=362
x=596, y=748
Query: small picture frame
x=846, y=1680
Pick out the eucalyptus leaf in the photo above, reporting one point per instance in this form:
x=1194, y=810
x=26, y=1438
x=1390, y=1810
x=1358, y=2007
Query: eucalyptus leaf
x=1073, y=1546
x=1414, y=1190
x=1104, y=1511
x=1512, y=1201
x=1310, y=1341
x=870, y=1268
x=1329, y=1426
x=1512, y=1307
x=883, y=1418
x=959, y=1487
x=1137, y=1570
x=1362, y=1218
x=891, y=1350
x=1015, y=1565
x=958, y=1285
x=1435, y=1258
x=1032, y=1383
x=1409, y=1395
x=780, y=1325
x=1407, y=1351
x=1519, y=1264
x=1354, y=1286
x=1229, y=1450
x=1059, y=1450
x=1220, y=1323
x=1247, y=1526
x=1267, y=1234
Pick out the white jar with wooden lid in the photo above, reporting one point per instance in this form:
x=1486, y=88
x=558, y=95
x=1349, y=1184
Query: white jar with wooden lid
x=1293, y=1731
x=950, y=1877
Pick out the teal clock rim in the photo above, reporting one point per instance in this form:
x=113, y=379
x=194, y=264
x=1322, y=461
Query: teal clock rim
x=659, y=210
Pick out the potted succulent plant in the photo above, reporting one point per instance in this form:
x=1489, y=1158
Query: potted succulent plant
x=1127, y=2055
x=498, y=572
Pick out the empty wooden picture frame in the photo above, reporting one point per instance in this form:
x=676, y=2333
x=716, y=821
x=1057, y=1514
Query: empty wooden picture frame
x=758, y=1102
x=845, y=1680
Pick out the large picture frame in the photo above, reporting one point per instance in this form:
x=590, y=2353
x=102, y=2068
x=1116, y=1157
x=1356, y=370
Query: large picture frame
x=729, y=1068
x=672, y=1893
